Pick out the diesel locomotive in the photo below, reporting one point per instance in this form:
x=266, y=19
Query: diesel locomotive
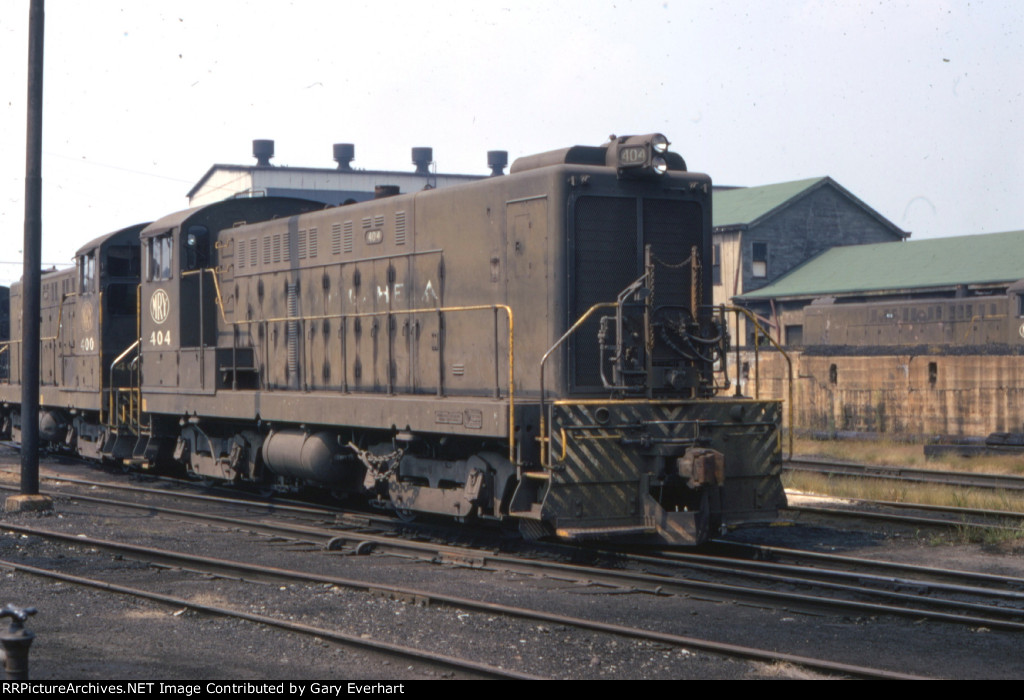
x=537, y=347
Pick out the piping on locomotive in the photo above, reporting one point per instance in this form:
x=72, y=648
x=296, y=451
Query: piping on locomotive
x=537, y=347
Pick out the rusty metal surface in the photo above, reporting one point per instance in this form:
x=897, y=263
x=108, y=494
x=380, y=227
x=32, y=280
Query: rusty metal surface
x=986, y=325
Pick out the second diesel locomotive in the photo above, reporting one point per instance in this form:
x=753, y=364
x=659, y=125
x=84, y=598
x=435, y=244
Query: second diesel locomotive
x=535, y=347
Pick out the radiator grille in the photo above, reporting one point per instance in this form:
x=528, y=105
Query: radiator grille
x=605, y=261
x=609, y=235
x=672, y=228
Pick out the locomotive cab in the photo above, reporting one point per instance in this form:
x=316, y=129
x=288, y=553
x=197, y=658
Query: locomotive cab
x=88, y=317
x=187, y=284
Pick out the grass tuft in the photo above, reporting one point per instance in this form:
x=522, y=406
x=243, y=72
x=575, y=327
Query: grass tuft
x=888, y=452
x=873, y=489
x=1008, y=539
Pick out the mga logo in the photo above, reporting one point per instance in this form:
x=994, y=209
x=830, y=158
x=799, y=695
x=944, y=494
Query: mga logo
x=159, y=306
x=86, y=317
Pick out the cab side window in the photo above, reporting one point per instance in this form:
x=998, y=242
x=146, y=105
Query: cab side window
x=160, y=251
x=87, y=273
x=194, y=255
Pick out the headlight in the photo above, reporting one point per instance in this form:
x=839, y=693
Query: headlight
x=639, y=156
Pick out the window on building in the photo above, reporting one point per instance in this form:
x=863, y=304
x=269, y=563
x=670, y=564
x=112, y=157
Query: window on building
x=716, y=264
x=159, y=257
x=760, y=260
x=795, y=335
x=759, y=337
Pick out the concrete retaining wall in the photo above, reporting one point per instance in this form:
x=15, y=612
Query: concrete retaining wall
x=919, y=395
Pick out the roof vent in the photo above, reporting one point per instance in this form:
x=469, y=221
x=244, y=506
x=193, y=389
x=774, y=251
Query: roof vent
x=381, y=191
x=422, y=158
x=263, y=151
x=344, y=153
x=496, y=161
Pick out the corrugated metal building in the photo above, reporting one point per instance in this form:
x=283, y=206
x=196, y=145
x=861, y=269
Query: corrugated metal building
x=328, y=185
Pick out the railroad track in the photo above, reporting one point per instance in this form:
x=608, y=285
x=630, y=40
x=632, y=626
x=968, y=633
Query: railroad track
x=925, y=476
x=224, y=567
x=653, y=584
x=915, y=514
x=963, y=487
x=338, y=541
x=689, y=577
x=677, y=573
x=476, y=669
x=897, y=572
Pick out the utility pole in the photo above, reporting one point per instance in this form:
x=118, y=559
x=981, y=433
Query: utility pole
x=30, y=498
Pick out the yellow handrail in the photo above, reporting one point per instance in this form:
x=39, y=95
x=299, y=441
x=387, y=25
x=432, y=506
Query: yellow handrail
x=759, y=330
x=543, y=437
x=124, y=354
x=398, y=312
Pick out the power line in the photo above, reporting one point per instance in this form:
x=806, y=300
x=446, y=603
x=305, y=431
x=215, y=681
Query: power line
x=21, y=262
x=86, y=161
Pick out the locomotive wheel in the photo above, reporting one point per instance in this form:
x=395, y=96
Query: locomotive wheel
x=405, y=515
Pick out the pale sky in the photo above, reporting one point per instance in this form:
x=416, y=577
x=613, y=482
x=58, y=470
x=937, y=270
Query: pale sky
x=914, y=107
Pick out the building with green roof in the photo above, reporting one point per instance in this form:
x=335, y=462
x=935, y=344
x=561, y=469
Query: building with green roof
x=762, y=233
x=918, y=338
x=941, y=268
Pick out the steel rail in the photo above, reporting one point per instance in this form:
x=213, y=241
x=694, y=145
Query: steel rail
x=672, y=558
x=880, y=564
x=467, y=603
x=796, y=574
x=639, y=582
x=912, y=519
x=964, y=479
x=320, y=632
x=655, y=584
